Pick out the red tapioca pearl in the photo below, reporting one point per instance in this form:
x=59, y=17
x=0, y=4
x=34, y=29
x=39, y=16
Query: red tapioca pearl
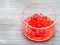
x=42, y=23
x=42, y=32
x=28, y=19
x=29, y=29
x=37, y=33
x=28, y=35
x=33, y=30
x=51, y=22
x=32, y=24
x=48, y=23
x=32, y=34
x=41, y=15
x=45, y=35
x=35, y=15
x=38, y=25
x=34, y=18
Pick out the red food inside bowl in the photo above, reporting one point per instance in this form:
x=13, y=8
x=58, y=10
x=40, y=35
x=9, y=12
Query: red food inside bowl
x=38, y=21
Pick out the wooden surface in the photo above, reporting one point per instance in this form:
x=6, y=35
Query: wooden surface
x=10, y=22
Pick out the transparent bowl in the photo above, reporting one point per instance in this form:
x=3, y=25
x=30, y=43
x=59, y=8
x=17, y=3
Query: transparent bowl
x=46, y=32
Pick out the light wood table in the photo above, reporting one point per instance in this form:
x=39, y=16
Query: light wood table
x=10, y=22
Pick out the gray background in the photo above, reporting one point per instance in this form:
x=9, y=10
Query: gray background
x=10, y=22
